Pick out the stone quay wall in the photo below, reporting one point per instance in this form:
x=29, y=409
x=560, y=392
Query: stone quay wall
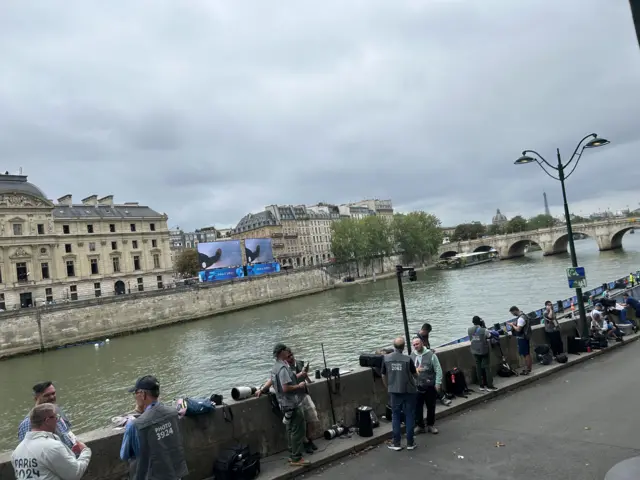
x=256, y=425
x=42, y=328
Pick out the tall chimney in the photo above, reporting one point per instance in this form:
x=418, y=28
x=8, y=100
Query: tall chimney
x=66, y=200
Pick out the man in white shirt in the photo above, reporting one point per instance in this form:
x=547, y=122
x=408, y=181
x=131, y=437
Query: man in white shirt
x=42, y=455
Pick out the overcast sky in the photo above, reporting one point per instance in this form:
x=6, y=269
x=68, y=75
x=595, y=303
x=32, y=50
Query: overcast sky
x=208, y=110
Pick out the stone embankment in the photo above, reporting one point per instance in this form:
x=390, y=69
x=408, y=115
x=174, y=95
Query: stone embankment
x=42, y=328
x=254, y=423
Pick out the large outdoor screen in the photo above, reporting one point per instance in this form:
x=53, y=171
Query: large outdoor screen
x=219, y=254
x=258, y=250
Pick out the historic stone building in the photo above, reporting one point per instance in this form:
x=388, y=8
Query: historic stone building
x=58, y=252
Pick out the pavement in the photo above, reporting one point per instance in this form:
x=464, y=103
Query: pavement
x=573, y=420
x=577, y=423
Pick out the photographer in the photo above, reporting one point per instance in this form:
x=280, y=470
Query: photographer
x=290, y=395
x=480, y=335
x=308, y=407
x=552, y=329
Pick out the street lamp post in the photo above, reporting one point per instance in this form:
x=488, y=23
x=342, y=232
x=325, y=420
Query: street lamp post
x=561, y=168
x=399, y=271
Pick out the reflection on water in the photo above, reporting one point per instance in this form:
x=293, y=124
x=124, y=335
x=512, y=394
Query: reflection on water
x=214, y=354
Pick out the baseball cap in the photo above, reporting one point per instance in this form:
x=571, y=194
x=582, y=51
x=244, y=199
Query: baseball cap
x=279, y=348
x=148, y=382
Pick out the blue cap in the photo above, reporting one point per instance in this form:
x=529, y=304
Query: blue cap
x=148, y=382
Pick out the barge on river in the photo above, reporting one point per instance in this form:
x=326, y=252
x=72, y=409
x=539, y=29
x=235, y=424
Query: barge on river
x=463, y=260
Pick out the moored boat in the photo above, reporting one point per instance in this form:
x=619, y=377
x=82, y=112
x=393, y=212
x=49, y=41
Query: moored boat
x=463, y=260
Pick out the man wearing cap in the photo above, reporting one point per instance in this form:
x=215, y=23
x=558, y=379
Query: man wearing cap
x=290, y=394
x=152, y=443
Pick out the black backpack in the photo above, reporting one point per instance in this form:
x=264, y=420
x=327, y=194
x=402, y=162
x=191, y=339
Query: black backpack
x=236, y=463
x=455, y=383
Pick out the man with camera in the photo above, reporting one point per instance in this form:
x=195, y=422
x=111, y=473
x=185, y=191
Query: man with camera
x=290, y=395
x=480, y=335
x=522, y=331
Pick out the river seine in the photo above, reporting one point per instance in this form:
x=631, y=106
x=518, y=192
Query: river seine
x=214, y=354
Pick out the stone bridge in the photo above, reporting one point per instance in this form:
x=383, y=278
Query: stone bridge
x=608, y=234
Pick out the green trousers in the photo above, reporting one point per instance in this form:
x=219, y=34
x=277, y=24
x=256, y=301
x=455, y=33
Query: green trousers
x=483, y=369
x=296, y=433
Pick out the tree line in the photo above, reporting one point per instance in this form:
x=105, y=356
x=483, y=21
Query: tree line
x=417, y=235
x=473, y=230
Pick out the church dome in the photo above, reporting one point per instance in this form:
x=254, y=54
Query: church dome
x=18, y=184
x=499, y=218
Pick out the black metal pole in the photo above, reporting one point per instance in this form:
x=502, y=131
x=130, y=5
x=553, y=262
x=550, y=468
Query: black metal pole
x=399, y=270
x=333, y=412
x=572, y=247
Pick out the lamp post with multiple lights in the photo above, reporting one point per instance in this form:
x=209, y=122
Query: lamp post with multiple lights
x=530, y=156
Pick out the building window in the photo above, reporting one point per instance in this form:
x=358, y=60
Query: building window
x=96, y=289
x=21, y=271
x=136, y=262
x=92, y=246
x=71, y=269
x=67, y=247
x=44, y=267
x=94, y=266
x=65, y=229
x=134, y=244
x=41, y=229
x=112, y=227
x=116, y=265
x=89, y=228
x=152, y=227
x=3, y=307
x=159, y=279
x=74, y=291
x=48, y=292
x=133, y=227
x=114, y=245
x=17, y=229
x=156, y=261
x=154, y=243
x=140, y=285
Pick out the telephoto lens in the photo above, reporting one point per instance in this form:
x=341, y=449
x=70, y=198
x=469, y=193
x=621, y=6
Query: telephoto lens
x=240, y=393
x=333, y=432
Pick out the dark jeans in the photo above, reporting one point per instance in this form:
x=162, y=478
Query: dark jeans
x=296, y=434
x=555, y=342
x=403, y=402
x=483, y=370
x=427, y=398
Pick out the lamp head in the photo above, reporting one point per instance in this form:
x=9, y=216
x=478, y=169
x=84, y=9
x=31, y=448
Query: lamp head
x=524, y=159
x=597, y=142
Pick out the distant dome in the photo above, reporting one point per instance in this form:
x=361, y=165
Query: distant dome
x=18, y=184
x=499, y=218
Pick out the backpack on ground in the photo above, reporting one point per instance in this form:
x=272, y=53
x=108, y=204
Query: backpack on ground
x=542, y=349
x=455, y=383
x=562, y=358
x=545, y=359
x=236, y=463
x=577, y=345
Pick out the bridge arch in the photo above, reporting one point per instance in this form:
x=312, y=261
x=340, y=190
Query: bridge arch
x=616, y=238
x=483, y=248
x=518, y=248
x=561, y=245
x=449, y=254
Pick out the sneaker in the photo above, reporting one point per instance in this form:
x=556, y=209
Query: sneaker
x=492, y=389
x=394, y=447
x=483, y=389
x=418, y=430
x=432, y=430
x=411, y=446
x=445, y=401
x=299, y=463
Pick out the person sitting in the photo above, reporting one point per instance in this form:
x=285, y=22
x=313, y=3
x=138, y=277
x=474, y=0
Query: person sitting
x=597, y=320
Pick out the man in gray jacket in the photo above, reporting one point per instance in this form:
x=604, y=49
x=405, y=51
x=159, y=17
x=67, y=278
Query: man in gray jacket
x=398, y=374
x=480, y=336
x=429, y=385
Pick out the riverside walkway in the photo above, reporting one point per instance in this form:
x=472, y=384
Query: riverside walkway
x=571, y=421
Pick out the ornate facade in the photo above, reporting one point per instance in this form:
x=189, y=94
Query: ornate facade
x=57, y=252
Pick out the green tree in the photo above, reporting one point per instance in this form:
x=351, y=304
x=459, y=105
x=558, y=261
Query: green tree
x=348, y=242
x=494, y=229
x=378, y=237
x=578, y=219
x=469, y=231
x=417, y=234
x=187, y=263
x=516, y=224
x=540, y=221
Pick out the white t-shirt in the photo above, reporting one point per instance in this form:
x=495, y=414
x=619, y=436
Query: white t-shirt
x=521, y=321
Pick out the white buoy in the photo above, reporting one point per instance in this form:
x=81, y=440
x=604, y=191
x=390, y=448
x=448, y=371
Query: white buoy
x=107, y=340
x=96, y=345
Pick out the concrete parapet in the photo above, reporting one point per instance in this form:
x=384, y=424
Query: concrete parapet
x=255, y=424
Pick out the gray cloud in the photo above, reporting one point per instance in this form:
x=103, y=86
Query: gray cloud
x=209, y=110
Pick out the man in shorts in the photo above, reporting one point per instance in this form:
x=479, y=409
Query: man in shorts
x=522, y=331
